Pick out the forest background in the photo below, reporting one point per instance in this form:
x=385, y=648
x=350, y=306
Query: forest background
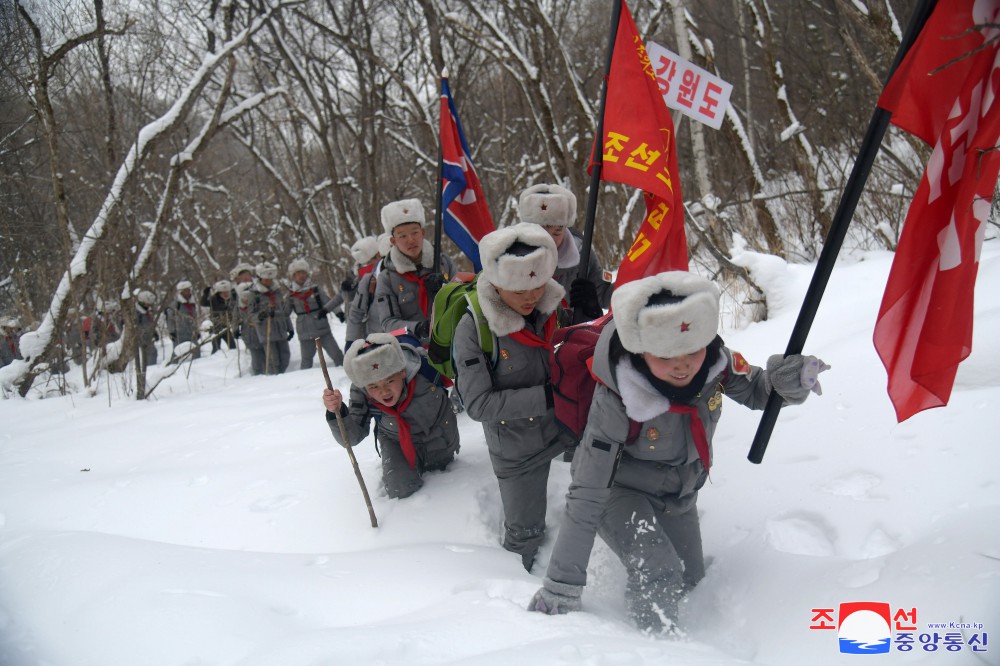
x=145, y=143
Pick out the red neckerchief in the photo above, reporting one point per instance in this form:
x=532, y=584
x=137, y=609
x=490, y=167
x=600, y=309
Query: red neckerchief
x=405, y=439
x=697, y=430
x=425, y=300
x=365, y=270
x=529, y=339
x=302, y=296
x=190, y=308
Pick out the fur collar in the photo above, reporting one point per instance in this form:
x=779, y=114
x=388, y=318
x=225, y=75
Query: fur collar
x=504, y=321
x=259, y=287
x=403, y=264
x=569, y=251
x=307, y=286
x=643, y=402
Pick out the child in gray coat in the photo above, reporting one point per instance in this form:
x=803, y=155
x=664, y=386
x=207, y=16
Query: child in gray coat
x=413, y=418
x=661, y=372
x=409, y=280
x=511, y=394
x=311, y=310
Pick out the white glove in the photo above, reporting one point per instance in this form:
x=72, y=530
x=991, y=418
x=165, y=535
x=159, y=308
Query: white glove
x=793, y=377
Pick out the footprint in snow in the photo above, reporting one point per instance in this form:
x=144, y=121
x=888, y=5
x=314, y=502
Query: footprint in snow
x=858, y=485
x=801, y=534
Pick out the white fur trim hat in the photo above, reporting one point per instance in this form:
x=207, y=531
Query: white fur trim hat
x=531, y=263
x=384, y=244
x=548, y=206
x=670, y=314
x=242, y=267
x=299, y=264
x=184, y=284
x=221, y=286
x=402, y=212
x=146, y=297
x=373, y=359
x=266, y=270
x=364, y=249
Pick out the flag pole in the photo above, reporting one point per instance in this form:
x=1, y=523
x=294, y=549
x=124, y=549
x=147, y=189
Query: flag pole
x=598, y=156
x=838, y=231
x=439, y=217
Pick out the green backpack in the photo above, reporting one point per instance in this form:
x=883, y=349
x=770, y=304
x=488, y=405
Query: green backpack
x=450, y=305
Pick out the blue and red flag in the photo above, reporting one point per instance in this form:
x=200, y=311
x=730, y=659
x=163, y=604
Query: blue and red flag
x=466, y=217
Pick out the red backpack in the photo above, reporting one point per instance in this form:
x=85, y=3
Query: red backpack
x=573, y=381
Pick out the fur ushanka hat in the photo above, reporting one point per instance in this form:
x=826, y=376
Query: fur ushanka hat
x=402, y=212
x=529, y=268
x=373, y=359
x=240, y=268
x=548, y=206
x=669, y=314
x=299, y=264
x=221, y=286
x=267, y=270
x=384, y=241
x=364, y=249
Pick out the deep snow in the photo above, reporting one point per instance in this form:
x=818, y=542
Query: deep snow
x=219, y=523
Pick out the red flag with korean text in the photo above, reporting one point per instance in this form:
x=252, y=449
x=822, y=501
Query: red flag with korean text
x=639, y=150
x=945, y=92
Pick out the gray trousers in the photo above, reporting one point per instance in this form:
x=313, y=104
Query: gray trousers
x=660, y=545
x=330, y=346
x=279, y=357
x=401, y=480
x=524, y=498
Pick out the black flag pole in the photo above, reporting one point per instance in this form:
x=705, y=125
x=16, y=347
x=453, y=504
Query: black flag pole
x=838, y=231
x=597, y=161
x=439, y=217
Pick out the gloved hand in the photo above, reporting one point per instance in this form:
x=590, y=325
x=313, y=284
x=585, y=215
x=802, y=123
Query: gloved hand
x=433, y=283
x=264, y=314
x=556, y=598
x=237, y=333
x=205, y=293
x=291, y=334
x=423, y=329
x=793, y=377
x=340, y=316
x=583, y=297
x=350, y=284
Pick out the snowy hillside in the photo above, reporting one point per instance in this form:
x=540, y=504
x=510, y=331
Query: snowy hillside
x=219, y=523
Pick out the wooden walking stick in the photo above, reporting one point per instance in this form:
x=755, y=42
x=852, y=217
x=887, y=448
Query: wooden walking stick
x=343, y=436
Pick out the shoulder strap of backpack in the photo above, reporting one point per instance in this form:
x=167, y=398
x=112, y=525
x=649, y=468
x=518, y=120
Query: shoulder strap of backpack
x=487, y=341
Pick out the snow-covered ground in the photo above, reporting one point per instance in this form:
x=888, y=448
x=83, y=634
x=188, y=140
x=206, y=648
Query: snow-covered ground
x=219, y=523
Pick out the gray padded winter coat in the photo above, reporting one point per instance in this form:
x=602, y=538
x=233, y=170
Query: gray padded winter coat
x=662, y=462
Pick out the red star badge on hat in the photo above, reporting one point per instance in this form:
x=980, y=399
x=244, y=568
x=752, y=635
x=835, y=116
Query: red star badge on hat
x=685, y=326
x=545, y=206
x=406, y=211
x=374, y=366
x=532, y=274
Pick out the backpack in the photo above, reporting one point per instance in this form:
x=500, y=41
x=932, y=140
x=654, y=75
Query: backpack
x=450, y=305
x=573, y=381
x=427, y=371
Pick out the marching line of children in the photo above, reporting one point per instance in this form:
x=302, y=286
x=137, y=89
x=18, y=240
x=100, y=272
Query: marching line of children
x=661, y=371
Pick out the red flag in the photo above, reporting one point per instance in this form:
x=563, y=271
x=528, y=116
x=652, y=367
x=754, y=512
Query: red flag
x=639, y=150
x=946, y=95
